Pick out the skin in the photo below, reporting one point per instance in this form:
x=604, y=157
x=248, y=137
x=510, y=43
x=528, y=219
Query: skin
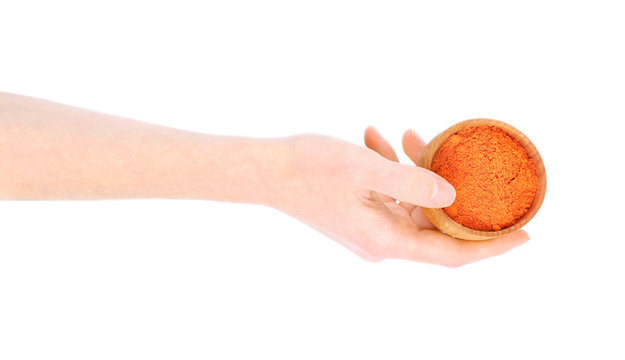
x=359, y=196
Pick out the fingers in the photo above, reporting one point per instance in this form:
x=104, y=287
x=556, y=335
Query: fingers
x=437, y=248
x=417, y=216
x=377, y=143
x=406, y=183
x=413, y=145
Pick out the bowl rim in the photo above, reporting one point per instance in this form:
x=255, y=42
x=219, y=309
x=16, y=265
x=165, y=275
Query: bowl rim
x=446, y=224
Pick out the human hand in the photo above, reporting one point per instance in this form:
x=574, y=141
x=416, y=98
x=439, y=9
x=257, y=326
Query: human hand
x=349, y=193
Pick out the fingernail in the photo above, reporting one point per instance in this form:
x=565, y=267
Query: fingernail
x=444, y=193
x=416, y=136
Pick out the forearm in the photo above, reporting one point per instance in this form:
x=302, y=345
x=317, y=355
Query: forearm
x=53, y=151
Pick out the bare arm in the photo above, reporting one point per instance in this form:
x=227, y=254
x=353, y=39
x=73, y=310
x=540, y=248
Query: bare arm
x=54, y=151
x=348, y=192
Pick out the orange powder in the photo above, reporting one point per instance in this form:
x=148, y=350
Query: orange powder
x=495, y=179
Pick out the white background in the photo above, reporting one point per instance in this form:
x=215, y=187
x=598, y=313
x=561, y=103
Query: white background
x=156, y=279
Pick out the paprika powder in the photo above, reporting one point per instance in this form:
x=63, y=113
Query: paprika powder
x=494, y=178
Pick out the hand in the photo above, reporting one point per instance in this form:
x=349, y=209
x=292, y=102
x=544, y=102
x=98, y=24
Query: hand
x=54, y=151
x=349, y=193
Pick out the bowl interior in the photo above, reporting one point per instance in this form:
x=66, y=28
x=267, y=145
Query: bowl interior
x=442, y=221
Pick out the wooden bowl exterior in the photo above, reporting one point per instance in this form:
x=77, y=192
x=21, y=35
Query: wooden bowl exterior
x=443, y=222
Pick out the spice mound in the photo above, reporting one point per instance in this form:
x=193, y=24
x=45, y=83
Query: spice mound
x=495, y=179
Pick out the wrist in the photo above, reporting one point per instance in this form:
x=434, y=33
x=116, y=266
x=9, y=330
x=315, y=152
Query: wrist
x=246, y=170
x=273, y=171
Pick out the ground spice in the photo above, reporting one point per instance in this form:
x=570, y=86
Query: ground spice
x=495, y=179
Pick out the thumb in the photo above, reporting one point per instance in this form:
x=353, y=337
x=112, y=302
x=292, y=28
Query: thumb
x=407, y=183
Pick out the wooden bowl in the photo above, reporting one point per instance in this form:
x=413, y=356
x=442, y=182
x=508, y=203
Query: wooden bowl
x=443, y=222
